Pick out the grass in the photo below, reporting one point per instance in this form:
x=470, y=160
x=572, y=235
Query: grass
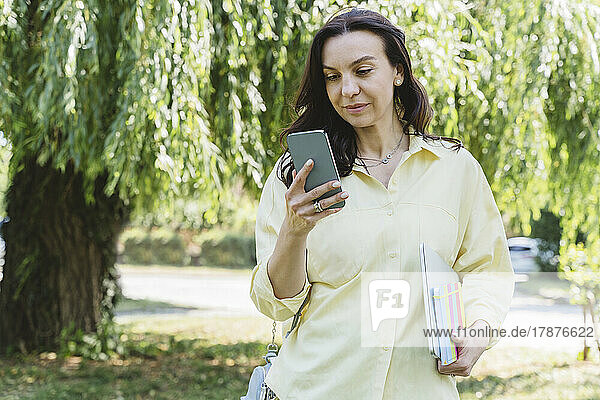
x=181, y=370
x=183, y=357
x=127, y=305
x=522, y=373
x=176, y=358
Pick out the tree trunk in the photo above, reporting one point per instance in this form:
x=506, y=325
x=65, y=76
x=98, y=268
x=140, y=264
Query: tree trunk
x=595, y=323
x=60, y=253
x=586, y=348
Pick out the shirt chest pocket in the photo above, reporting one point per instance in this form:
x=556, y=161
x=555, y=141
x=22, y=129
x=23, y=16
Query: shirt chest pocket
x=336, y=248
x=439, y=229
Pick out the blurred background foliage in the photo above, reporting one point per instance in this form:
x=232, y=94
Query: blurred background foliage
x=203, y=95
x=181, y=102
x=5, y=151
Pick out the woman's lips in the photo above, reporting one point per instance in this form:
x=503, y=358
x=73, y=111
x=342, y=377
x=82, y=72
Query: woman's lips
x=356, y=110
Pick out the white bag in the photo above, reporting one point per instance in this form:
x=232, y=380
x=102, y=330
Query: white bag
x=257, y=388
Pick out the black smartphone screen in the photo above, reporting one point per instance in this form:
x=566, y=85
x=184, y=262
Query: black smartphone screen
x=315, y=145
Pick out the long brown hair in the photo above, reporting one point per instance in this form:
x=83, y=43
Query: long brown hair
x=315, y=111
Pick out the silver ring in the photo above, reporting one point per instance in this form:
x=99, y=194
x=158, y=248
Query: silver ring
x=317, y=206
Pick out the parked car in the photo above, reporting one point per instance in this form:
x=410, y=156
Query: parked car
x=523, y=252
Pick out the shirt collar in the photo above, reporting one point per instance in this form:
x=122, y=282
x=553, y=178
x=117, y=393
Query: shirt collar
x=436, y=147
x=416, y=144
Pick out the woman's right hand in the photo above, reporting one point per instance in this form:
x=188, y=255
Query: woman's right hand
x=301, y=216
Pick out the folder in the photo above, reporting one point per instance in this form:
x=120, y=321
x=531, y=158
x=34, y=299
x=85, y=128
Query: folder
x=443, y=303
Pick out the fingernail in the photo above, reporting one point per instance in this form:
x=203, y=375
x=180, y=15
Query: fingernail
x=336, y=184
x=309, y=162
x=344, y=195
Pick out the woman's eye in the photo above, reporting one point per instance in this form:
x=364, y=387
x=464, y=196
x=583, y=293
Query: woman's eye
x=360, y=72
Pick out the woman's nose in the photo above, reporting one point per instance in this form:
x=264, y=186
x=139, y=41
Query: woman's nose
x=349, y=87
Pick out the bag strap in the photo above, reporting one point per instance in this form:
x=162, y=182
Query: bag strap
x=272, y=348
x=298, y=314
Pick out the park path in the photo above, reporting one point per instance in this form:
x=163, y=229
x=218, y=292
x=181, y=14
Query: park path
x=226, y=293
x=210, y=292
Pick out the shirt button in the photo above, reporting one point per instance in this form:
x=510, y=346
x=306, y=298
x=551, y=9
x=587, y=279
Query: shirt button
x=390, y=212
x=392, y=254
x=386, y=348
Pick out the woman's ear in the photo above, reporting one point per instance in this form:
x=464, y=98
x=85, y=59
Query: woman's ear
x=399, y=75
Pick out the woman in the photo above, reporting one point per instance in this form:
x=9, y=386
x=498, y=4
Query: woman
x=401, y=186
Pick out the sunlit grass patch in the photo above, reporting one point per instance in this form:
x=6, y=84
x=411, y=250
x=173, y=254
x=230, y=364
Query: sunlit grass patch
x=222, y=330
x=532, y=373
x=162, y=367
x=204, y=357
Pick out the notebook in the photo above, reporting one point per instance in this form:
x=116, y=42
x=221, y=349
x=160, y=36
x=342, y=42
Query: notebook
x=450, y=314
x=442, y=299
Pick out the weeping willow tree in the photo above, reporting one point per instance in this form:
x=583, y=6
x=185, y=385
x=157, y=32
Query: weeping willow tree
x=91, y=107
x=112, y=107
x=518, y=82
x=116, y=106
x=573, y=115
x=538, y=136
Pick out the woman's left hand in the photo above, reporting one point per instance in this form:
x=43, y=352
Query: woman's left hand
x=469, y=350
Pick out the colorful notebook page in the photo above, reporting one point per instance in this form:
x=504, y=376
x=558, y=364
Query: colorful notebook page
x=454, y=312
x=450, y=347
x=449, y=310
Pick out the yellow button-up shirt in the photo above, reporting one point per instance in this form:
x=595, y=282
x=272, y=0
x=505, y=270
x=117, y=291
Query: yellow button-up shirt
x=435, y=195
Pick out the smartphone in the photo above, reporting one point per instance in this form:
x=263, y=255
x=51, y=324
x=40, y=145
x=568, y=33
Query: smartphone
x=315, y=145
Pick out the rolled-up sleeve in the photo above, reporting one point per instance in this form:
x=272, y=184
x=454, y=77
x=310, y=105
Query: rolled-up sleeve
x=270, y=216
x=483, y=260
